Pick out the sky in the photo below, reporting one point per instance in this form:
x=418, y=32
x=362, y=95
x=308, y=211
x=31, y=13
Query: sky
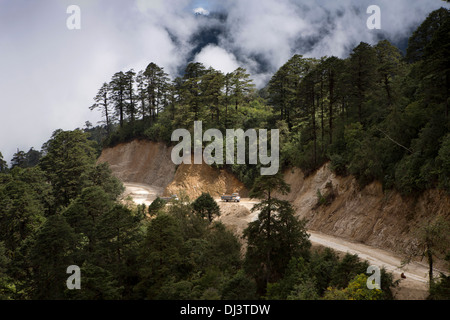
x=50, y=73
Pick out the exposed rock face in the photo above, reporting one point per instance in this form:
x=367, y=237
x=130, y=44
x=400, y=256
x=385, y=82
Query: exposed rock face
x=141, y=161
x=150, y=163
x=194, y=179
x=370, y=215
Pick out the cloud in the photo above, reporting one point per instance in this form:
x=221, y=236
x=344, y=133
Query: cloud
x=201, y=11
x=263, y=35
x=218, y=58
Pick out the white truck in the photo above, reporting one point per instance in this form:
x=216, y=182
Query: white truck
x=172, y=197
x=233, y=197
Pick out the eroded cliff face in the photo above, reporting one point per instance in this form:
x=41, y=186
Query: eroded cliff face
x=370, y=215
x=150, y=163
x=193, y=179
x=141, y=161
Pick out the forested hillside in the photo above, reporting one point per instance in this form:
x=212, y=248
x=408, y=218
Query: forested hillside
x=377, y=115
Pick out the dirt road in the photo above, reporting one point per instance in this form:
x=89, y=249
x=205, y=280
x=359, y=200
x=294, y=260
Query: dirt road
x=142, y=193
x=238, y=215
x=412, y=288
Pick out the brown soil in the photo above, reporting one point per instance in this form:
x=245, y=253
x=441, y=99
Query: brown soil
x=150, y=163
x=141, y=162
x=193, y=179
x=382, y=219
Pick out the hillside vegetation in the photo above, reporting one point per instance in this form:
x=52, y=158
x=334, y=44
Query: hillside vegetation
x=376, y=115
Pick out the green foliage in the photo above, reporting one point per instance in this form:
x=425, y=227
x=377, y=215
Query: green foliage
x=273, y=240
x=6, y=283
x=304, y=291
x=443, y=163
x=21, y=212
x=326, y=276
x=160, y=254
x=265, y=186
x=25, y=159
x=50, y=256
x=440, y=289
x=328, y=197
x=101, y=176
x=206, y=206
x=3, y=164
x=182, y=257
x=97, y=284
x=424, y=33
x=69, y=155
x=348, y=268
x=177, y=254
x=356, y=290
x=240, y=287
x=432, y=241
x=224, y=249
x=156, y=206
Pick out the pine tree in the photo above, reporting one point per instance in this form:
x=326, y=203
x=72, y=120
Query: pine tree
x=192, y=92
x=285, y=83
x=212, y=85
x=142, y=94
x=241, y=85
x=3, y=164
x=21, y=212
x=19, y=159
x=84, y=214
x=156, y=82
x=118, y=92
x=276, y=236
x=435, y=69
x=130, y=95
x=50, y=256
x=160, y=255
x=390, y=65
x=206, y=206
x=103, y=103
x=362, y=68
x=332, y=68
x=68, y=155
x=424, y=33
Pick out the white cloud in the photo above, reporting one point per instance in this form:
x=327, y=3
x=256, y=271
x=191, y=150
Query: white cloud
x=201, y=11
x=218, y=58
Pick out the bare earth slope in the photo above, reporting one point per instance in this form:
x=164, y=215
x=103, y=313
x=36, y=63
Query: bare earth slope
x=193, y=179
x=149, y=163
x=141, y=162
x=371, y=216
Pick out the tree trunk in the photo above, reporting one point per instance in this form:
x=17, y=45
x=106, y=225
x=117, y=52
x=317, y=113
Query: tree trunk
x=106, y=116
x=388, y=90
x=321, y=115
x=430, y=264
x=269, y=249
x=330, y=120
x=313, y=115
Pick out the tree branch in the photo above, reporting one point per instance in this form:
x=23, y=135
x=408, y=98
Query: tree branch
x=409, y=150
